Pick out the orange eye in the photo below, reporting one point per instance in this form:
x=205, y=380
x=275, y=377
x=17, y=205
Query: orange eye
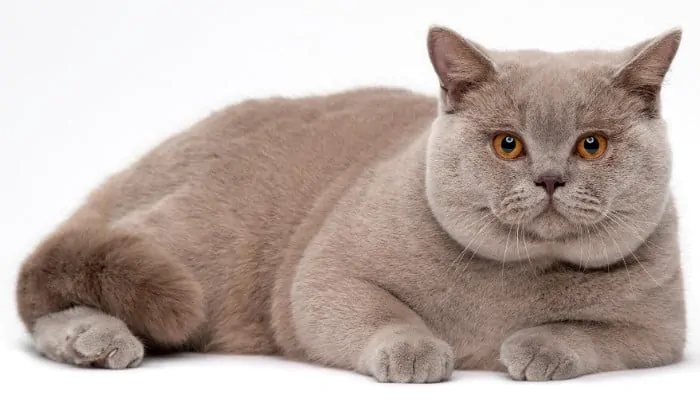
x=507, y=146
x=592, y=147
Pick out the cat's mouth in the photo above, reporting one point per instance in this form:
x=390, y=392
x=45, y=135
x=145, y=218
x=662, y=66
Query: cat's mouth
x=550, y=218
x=550, y=224
x=559, y=220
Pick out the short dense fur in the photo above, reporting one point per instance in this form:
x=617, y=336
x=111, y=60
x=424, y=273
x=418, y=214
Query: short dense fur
x=376, y=229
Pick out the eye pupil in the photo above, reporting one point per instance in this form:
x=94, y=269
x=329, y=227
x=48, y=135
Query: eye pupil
x=508, y=144
x=591, y=145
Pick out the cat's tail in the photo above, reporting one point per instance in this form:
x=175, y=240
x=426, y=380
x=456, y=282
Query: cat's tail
x=116, y=272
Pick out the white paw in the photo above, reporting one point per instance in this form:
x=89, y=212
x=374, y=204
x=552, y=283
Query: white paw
x=87, y=337
x=408, y=357
x=534, y=356
x=107, y=346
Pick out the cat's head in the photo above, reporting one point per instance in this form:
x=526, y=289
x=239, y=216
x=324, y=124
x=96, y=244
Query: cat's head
x=557, y=148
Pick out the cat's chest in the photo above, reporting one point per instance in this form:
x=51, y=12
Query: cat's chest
x=476, y=308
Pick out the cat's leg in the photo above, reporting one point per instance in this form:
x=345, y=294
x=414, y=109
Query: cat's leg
x=570, y=349
x=354, y=324
x=88, y=337
x=88, y=290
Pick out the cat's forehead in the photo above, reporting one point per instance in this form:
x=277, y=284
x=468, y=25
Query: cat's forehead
x=567, y=59
x=552, y=95
x=561, y=92
x=538, y=72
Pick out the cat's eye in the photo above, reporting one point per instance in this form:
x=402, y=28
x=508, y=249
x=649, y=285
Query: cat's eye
x=507, y=146
x=592, y=146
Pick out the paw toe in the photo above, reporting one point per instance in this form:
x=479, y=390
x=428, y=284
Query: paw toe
x=410, y=358
x=536, y=357
x=112, y=347
x=127, y=353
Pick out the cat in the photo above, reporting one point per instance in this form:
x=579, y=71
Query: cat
x=520, y=222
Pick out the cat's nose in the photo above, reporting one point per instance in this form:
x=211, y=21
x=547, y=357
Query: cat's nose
x=550, y=183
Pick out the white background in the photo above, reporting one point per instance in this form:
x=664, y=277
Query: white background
x=88, y=86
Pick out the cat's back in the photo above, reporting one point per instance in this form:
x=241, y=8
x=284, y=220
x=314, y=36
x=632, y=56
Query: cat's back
x=243, y=179
x=264, y=151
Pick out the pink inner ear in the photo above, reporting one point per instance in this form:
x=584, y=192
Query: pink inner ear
x=650, y=65
x=441, y=69
x=440, y=52
x=643, y=75
x=458, y=64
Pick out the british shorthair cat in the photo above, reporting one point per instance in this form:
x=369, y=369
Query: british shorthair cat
x=520, y=222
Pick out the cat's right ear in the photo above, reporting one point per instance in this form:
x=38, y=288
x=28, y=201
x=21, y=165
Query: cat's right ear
x=460, y=65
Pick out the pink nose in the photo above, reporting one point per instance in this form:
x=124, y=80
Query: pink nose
x=550, y=183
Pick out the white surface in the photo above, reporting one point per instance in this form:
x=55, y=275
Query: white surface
x=88, y=86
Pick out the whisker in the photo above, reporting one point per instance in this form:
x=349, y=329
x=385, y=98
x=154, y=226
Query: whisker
x=580, y=257
x=619, y=250
x=527, y=252
x=605, y=247
x=631, y=229
x=461, y=255
x=483, y=240
x=503, y=265
x=517, y=239
x=476, y=236
x=458, y=260
x=590, y=244
x=639, y=262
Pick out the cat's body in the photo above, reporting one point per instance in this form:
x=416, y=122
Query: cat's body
x=329, y=229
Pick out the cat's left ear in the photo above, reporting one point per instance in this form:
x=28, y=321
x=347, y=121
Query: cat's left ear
x=644, y=73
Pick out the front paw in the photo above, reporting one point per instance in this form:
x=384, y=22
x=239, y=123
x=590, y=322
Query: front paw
x=537, y=355
x=407, y=357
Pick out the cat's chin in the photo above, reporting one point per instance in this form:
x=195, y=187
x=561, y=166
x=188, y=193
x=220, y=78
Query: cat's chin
x=551, y=225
